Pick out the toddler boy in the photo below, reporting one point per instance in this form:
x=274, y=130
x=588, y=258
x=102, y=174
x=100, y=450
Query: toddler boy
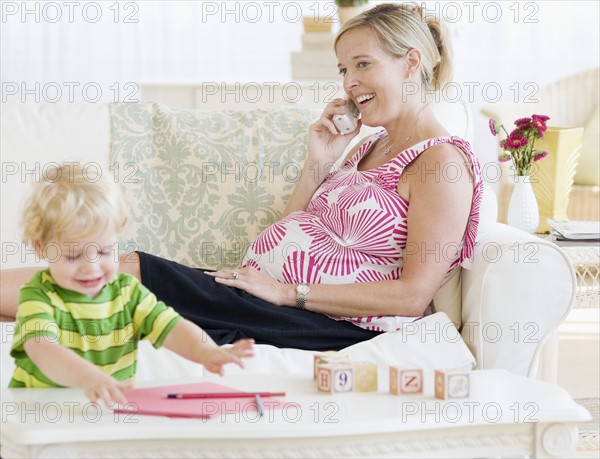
x=79, y=321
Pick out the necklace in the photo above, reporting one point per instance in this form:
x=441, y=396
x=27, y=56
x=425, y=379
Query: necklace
x=388, y=147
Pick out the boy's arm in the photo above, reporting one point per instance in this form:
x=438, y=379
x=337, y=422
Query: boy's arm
x=193, y=343
x=66, y=368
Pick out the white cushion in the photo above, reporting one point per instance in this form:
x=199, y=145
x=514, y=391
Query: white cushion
x=33, y=137
x=430, y=343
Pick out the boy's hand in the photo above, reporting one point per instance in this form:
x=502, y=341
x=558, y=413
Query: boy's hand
x=217, y=357
x=108, y=389
x=66, y=368
x=192, y=343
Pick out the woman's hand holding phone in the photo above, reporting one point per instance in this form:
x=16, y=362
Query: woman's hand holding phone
x=326, y=142
x=347, y=122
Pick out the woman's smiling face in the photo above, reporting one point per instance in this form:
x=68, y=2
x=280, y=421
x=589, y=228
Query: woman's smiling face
x=373, y=78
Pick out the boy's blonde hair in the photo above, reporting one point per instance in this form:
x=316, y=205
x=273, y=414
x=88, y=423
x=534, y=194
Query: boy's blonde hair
x=72, y=201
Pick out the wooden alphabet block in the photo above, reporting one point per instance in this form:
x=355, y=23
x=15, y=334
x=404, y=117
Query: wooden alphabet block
x=335, y=377
x=452, y=384
x=327, y=357
x=365, y=377
x=406, y=380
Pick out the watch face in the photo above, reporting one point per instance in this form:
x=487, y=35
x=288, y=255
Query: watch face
x=302, y=289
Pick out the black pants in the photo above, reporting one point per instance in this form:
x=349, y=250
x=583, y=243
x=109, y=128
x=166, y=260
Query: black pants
x=228, y=314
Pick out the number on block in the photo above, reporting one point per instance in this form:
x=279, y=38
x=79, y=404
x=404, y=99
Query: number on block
x=327, y=357
x=335, y=377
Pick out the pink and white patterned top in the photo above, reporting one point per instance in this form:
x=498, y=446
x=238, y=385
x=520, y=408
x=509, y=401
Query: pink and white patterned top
x=355, y=229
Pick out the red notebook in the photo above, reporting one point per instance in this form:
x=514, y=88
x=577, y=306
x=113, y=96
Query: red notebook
x=153, y=401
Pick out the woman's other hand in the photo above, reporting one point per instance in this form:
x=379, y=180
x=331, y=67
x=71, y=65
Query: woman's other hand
x=257, y=283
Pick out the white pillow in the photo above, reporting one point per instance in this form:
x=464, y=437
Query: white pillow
x=430, y=343
x=34, y=137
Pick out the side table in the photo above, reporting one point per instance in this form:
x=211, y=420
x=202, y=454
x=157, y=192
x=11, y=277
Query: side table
x=585, y=258
x=586, y=262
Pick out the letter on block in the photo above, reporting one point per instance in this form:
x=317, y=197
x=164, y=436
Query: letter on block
x=335, y=377
x=327, y=357
x=452, y=384
x=406, y=381
x=365, y=377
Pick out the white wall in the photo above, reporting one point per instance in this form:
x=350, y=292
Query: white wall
x=514, y=47
x=520, y=56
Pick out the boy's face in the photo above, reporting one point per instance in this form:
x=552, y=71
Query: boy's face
x=85, y=266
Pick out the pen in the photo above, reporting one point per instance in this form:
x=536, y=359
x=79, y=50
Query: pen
x=259, y=406
x=226, y=395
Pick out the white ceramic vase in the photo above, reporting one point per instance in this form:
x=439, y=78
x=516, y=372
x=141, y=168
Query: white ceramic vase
x=523, y=211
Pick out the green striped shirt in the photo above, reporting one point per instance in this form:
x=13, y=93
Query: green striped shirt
x=104, y=330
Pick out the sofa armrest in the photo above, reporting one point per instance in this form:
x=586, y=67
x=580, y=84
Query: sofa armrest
x=519, y=289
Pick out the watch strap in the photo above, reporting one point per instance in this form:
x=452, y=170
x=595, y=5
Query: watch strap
x=301, y=292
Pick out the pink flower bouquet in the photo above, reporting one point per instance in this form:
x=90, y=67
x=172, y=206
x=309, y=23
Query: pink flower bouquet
x=518, y=145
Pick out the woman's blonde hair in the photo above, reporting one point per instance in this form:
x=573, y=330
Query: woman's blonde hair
x=72, y=201
x=401, y=27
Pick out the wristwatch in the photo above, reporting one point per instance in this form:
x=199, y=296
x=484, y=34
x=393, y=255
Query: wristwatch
x=302, y=290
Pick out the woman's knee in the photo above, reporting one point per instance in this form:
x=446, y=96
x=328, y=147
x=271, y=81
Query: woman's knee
x=130, y=264
x=11, y=282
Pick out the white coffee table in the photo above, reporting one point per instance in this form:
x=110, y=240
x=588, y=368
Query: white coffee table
x=505, y=415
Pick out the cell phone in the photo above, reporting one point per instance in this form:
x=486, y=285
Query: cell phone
x=347, y=122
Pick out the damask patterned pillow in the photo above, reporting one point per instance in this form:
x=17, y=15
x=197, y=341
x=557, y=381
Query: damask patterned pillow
x=201, y=185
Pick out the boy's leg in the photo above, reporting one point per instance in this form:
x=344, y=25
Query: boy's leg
x=228, y=314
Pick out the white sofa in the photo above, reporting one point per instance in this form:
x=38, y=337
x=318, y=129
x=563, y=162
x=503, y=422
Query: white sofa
x=515, y=295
